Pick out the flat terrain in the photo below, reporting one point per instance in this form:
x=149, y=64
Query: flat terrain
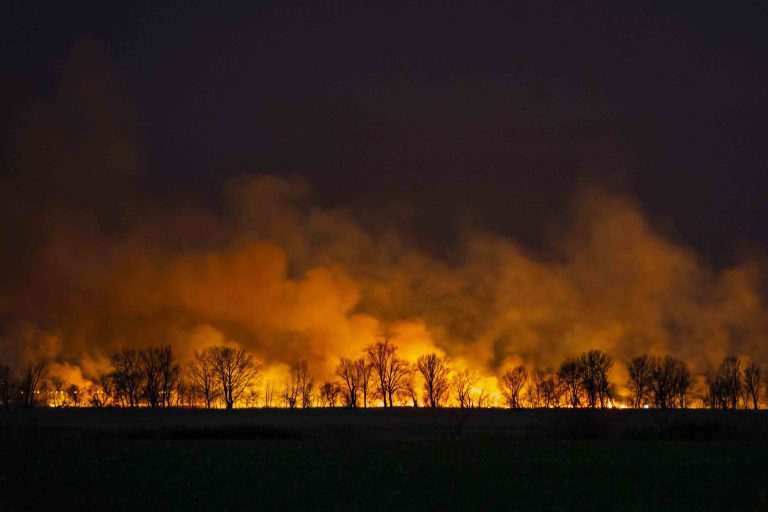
x=402, y=459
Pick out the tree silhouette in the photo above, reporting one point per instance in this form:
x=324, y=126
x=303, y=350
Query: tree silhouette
x=595, y=365
x=640, y=370
x=392, y=373
x=752, y=383
x=31, y=382
x=570, y=375
x=150, y=367
x=101, y=392
x=348, y=372
x=724, y=386
x=203, y=376
x=127, y=377
x=169, y=374
x=406, y=394
x=436, y=375
x=269, y=394
x=291, y=391
x=74, y=395
x=463, y=383
x=8, y=386
x=512, y=383
x=670, y=382
x=546, y=390
x=329, y=394
x=56, y=391
x=364, y=372
x=681, y=383
x=234, y=370
x=305, y=383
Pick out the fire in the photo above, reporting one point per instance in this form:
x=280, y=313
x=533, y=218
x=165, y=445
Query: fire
x=290, y=281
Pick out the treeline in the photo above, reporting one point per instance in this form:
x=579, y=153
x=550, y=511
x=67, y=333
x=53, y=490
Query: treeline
x=229, y=376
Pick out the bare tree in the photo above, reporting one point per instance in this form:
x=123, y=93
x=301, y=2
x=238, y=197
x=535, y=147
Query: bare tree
x=380, y=354
x=305, y=383
x=184, y=391
x=169, y=374
x=640, y=374
x=463, y=383
x=56, y=396
x=269, y=394
x=127, y=377
x=481, y=397
x=8, y=386
x=392, y=373
x=533, y=390
x=235, y=370
x=595, y=365
x=150, y=367
x=406, y=395
x=347, y=370
x=74, y=395
x=203, y=375
x=32, y=381
x=681, y=384
x=512, y=383
x=570, y=375
x=436, y=375
x=724, y=386
x=101, y=392
x=546, y=390
x=364, y=371
x=663, y=381
x=329, y=394
x=752, y=383
x=291, y=390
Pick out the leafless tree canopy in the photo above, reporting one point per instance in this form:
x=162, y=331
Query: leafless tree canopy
x=234, y=371
x=640, y=374
x=31, y=383
x=752, y=383
x=512, y=383
x=305, y=383
x=545, y=390
x=229, y=375
x=364, y=373
x=436, y=375
x=463, y=383
x=724, y=386
x=348, y=373
x=127, y=377
x=150, y=367
x=170, y=373
x=570, y=376
x=201, y=372
x=392, y=373
x=8, y=386
x=595, y=365
x=329, y=394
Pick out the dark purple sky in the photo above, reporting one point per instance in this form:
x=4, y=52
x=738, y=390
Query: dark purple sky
x=488, y=115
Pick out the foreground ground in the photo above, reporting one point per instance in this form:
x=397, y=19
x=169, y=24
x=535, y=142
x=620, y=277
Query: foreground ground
x=383, y=460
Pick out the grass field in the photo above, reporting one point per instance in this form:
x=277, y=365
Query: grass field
x=403, y=459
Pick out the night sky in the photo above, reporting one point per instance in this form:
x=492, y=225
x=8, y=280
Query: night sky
x=487, y=115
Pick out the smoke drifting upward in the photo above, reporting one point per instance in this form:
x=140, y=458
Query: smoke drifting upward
x=290, y=280
x=89, y=266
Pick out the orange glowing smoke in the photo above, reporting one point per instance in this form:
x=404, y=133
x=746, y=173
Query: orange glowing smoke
x=291, y=281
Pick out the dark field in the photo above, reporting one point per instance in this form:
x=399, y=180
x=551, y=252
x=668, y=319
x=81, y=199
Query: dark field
x=383, y=460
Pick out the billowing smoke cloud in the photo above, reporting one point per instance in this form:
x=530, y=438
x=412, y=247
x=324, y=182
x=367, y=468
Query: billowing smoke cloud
x=270, y=269
x=291, y=281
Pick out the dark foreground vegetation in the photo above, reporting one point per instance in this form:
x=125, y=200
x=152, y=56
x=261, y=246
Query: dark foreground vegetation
x=383, y=459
